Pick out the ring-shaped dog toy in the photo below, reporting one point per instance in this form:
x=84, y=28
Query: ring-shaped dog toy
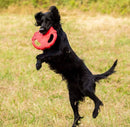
x=44, y=40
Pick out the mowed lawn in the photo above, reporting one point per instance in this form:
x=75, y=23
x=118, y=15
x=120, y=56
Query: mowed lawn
x=30, y=98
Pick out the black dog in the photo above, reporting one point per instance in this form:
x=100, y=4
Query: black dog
x=63, y=60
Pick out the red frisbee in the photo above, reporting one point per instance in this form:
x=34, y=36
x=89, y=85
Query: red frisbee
x=44, y=39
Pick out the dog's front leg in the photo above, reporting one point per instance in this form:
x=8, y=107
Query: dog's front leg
x=42, y=58
x=39, y=61
x=46, y=57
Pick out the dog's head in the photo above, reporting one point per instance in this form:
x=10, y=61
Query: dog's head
x=48, y=19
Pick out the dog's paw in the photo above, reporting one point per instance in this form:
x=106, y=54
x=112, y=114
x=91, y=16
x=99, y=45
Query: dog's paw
x=95, y=113
x=77, y=121
x=96, y=110
x=38, y=66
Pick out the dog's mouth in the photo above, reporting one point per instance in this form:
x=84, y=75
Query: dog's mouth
x=42, y=30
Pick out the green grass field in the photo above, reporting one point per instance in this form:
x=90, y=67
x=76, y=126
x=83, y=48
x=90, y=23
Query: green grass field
x=30, y=98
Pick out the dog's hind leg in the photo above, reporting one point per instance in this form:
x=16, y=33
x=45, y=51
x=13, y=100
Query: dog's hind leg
x=74, y=105
x=88, y=91
x=97, y=103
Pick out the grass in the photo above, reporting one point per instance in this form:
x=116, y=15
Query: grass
x=30, y=98
x=101, y=6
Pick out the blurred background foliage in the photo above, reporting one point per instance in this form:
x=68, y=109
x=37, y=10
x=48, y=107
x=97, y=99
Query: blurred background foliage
x=103, y=6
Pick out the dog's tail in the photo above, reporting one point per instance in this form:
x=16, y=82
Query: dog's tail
x=106, y=74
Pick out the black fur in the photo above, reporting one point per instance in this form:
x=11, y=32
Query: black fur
x=63, y=60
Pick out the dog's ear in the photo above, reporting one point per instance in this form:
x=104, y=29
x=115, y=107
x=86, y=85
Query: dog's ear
x=38, y=17
x=55, y=14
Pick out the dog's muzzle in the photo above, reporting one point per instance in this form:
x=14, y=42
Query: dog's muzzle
x=42, y=30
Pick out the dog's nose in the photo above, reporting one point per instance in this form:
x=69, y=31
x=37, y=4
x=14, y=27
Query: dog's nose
x=41, y=30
